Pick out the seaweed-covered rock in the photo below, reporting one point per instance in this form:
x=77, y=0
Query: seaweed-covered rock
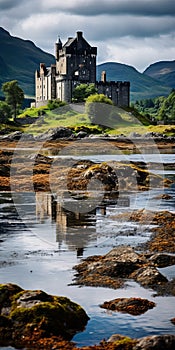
x=36, y=314
x=133, y=306
x=148, y=276
x=112, y=270
x=156, y=342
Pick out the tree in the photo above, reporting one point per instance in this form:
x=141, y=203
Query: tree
x=82, y=91
x=5, y=112
x=14, y=96
x=98, y=108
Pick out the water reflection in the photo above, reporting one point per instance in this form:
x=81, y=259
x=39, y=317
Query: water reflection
x=72, y=229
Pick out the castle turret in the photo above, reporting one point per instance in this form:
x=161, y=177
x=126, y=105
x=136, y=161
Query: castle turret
x=58, y=47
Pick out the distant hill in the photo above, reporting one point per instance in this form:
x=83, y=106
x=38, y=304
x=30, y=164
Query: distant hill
x=164, y=71
x=19, y=60
x=142, y=86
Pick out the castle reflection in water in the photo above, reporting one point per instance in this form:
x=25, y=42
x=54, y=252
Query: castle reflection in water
x=73, y=230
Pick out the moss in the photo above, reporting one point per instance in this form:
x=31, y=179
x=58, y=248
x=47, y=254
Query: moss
x=60, y=316
x=7, y=291
x=34, y=314
x=125, y=344
x=125, y=340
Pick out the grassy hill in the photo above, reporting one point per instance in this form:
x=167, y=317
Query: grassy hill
x=164, y=71
x=19, y=60
x=142, y=86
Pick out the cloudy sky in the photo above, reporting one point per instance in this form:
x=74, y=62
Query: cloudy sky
x=134, y=32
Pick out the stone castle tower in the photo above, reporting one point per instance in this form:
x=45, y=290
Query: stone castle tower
x=75, y=64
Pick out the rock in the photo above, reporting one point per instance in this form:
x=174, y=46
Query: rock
x=133, y=306
x=54, y=134
x=156, y=342
x=163, y=196
x=7, y=291
x=134, y=135
x=81, y=134
x=13, y=136
x=148, y=276
x=112, y=269
x=26, y=313
x=162, y=260
x=120, y=342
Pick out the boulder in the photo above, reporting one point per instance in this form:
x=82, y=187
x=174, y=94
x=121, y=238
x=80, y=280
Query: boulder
x=132, y=306
x=13, y=136
x=54, y=134
x=81, y=134
x=148, y=276
x=156, y=342
x=112, y=270
x=34, y=313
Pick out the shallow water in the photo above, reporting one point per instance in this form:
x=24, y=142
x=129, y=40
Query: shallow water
x=40, y=243
x=121, y=156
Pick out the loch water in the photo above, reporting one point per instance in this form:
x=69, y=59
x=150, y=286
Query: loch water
x=41, y=241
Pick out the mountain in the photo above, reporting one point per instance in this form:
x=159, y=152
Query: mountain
x=142, y=86
x=164, y=71
x=19, y=60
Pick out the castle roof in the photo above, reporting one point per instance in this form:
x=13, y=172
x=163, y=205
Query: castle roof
x=69, y=42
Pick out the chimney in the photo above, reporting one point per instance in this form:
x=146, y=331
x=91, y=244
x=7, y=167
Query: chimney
x=103, y=76
x=79, y=35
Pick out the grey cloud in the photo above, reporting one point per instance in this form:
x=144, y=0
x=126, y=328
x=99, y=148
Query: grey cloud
x=116, y=7
x=125, y=26
x=9, y=4
x=107, y=28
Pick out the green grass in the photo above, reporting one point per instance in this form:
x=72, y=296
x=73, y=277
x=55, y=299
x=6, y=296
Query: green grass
x=128, y=121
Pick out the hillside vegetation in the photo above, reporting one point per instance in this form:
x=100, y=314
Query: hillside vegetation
x=161, y=108
x=163, y=71
x=19, y=60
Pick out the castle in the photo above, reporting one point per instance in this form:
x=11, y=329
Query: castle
x=76, y=64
